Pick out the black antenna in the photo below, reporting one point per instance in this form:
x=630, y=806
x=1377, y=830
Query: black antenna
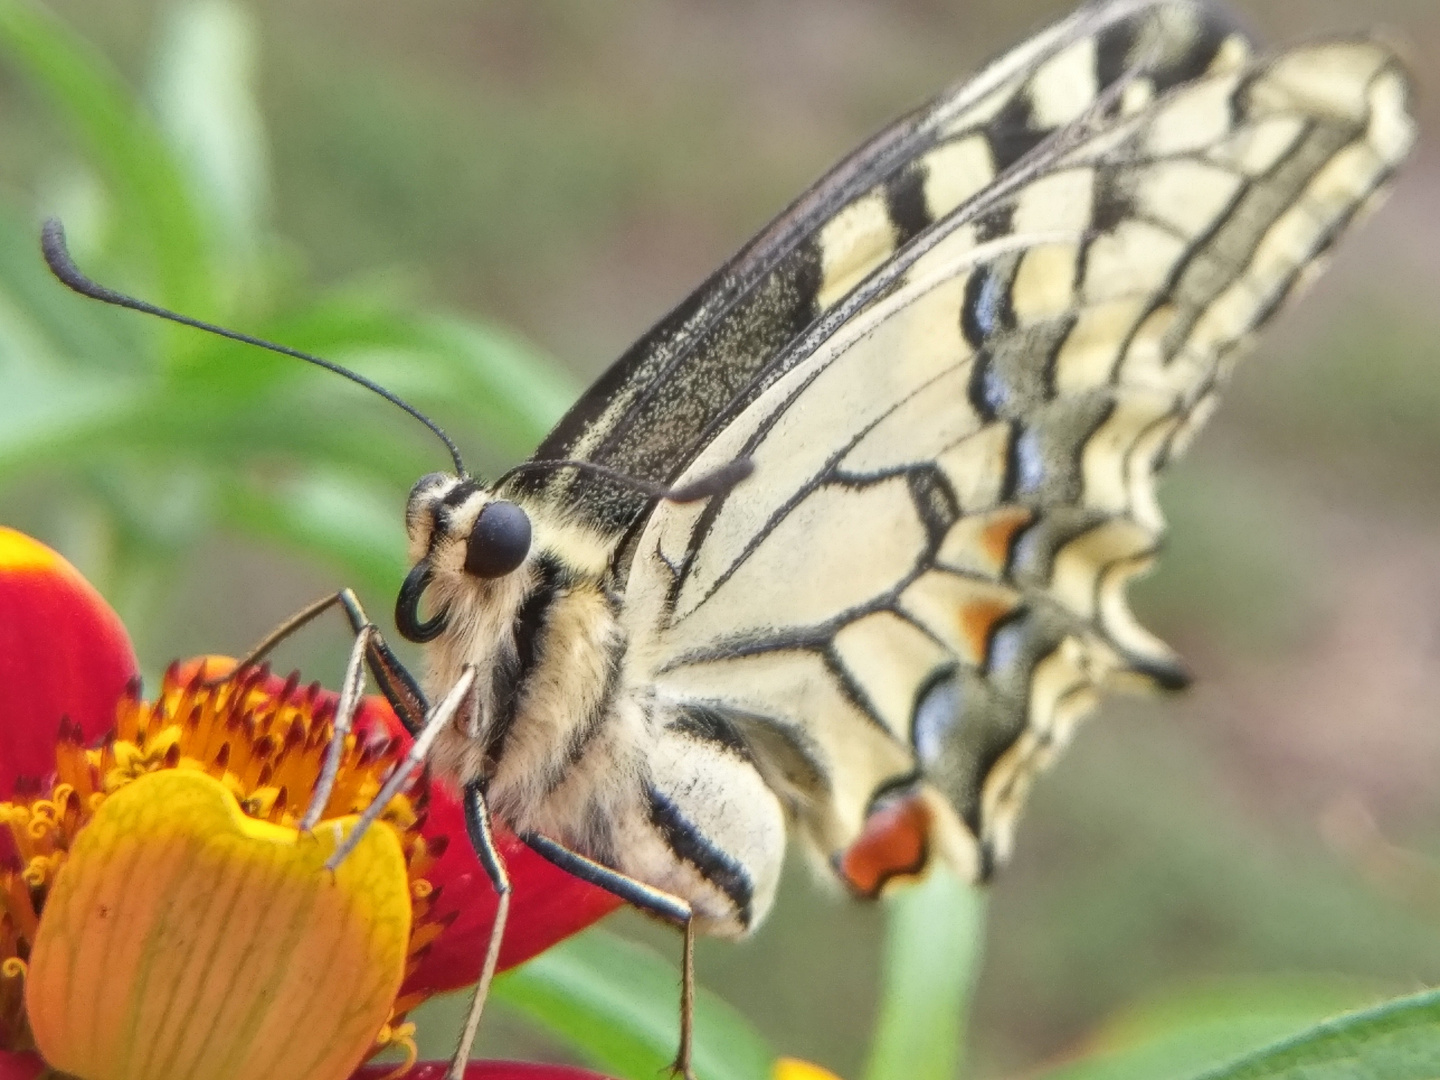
x=57, y=256
x=716, y=482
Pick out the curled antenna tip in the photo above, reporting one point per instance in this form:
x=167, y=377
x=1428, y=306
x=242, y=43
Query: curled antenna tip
x=716, y=482
x=713, y=483
x=57, y=255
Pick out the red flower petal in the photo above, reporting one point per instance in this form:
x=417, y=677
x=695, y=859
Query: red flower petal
x=20, y=1066
x=476, y=1070
x=546, y=906
x=63, y=653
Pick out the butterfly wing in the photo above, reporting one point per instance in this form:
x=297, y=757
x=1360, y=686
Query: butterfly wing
x=656, y=408
x=924, y=582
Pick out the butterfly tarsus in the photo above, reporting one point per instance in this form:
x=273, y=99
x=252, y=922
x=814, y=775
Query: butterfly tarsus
x=681, y=1066
x=395, y=682
x=652, y=901
x=482, y=839
x=350, y=690
x=436, y=722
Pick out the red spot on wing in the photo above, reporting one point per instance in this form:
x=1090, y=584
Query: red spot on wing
x=895, y=841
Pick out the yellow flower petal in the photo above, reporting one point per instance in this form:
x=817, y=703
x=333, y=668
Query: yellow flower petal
x=20, y=552
x=795, y=1069
x=185, y=940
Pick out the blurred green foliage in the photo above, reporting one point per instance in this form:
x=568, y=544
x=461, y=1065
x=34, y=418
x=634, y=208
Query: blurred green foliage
x=157, y=436
x=508, y=153
x=614, y=1002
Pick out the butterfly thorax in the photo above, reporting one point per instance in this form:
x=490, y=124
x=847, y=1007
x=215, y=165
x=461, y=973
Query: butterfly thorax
x=570, y=741
x=538, y=712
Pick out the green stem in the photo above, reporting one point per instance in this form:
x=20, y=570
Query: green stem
x=932, y=953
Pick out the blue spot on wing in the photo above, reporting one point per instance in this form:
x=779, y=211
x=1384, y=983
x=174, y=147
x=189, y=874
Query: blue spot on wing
x=986, y=309
x=990, y=305
x=935, y=718
x=1029, y=462
x=1007, y=645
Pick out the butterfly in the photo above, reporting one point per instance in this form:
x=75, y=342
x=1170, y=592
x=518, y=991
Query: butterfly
x=839, y=550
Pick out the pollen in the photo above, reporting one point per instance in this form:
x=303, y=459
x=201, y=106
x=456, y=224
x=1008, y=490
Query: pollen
x=264, y=739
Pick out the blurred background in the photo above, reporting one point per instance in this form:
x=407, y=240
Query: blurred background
x=481, y=204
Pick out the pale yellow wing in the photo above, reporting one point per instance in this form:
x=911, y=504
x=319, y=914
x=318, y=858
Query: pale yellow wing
x=657, y=406
x=924, y=580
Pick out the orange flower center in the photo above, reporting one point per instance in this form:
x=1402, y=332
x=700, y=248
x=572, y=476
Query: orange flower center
x=264, y=741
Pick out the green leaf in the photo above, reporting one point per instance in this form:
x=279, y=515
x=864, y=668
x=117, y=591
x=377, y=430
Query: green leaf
x=44, y=413
x=618, y=1004
x=1399, y=1040
x=125, y=143
x=516, y=393
x=1178, y=1036
x=351, y=526
x=204, y=99
x=470, y=377
x=932, y=953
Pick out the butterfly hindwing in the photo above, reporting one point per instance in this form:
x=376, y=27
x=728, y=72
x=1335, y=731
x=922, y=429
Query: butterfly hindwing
x=925, y=579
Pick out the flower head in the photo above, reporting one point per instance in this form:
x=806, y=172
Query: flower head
x=161, y=914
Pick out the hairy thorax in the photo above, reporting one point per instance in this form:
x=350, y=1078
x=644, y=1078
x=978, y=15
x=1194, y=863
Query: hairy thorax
x=556, y=742
x=564, y=729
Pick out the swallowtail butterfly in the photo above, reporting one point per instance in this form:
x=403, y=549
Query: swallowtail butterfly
x=839, y=549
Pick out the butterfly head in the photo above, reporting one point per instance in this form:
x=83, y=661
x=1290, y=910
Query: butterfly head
x=462, y=538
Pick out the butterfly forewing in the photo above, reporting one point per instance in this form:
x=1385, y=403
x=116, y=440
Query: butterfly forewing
x=657, y=407
x=925, y=580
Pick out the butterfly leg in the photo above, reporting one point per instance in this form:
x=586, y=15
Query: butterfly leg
x=650, y=900
x=395, y=682
x=369, y=651
x=681, y=1065
x=351, y=688
x=435, y=722
x=482, y=839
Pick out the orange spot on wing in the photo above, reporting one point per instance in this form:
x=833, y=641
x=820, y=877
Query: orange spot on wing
x=999, y=534
x=894, y=841
x=977, y=622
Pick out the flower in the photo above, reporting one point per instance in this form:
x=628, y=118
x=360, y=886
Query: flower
x=795, y=1069
x=158, y=905
x=478, y=1070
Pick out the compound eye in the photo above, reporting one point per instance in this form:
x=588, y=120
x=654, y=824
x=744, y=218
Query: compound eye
x=499, y=541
